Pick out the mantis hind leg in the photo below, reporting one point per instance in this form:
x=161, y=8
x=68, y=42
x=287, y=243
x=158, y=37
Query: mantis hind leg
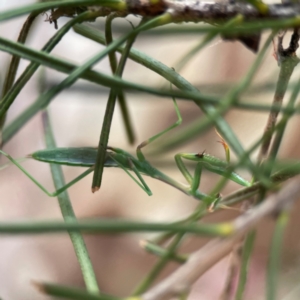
x=139, y=153
x=142, y=184
x=57, y=192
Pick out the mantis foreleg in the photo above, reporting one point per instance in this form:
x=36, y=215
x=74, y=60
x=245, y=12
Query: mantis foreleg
x=139, y=153
x=208, y=162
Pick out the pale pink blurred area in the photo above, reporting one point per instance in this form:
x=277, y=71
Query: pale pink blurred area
x=77, y=117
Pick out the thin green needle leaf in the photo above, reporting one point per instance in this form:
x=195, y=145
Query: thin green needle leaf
x=286, y=70
x=12, y=71
x=121, y=95
x=191, y=130
x=44, y=100
x=170, y=251
x=283, y=124
x=113, y=226
x=210, y=36
x=166, y=257
x=126, y=117
x=13, y=67
x=103, y=142
x=66, y=292
x=245, y=261
x=66, y=67
x=40, y=7
x=68, y=214
x=11, y=95
x=274, y=258
x=61, y=65
x=213, y=116
x=160, y=251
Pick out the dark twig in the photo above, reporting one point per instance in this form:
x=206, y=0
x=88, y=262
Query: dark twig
x=194, y=11
x=276, y=16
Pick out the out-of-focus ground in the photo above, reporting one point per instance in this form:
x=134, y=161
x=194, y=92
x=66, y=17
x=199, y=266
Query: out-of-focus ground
x=77, y=116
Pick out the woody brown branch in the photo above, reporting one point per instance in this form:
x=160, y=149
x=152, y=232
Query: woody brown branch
x=192, y=11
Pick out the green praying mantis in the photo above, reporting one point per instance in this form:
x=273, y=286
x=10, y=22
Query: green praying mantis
x=116, y=157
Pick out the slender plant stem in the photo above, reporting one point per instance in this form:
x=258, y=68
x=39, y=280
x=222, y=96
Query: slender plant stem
x=274, y=258
x=113, y=226
x=69, y=215
x=245, y=261
x=66, y=292
x=283, y=123
x=160, y=251
x=288, y=63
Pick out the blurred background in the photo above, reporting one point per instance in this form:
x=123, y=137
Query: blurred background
x=77, y=115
